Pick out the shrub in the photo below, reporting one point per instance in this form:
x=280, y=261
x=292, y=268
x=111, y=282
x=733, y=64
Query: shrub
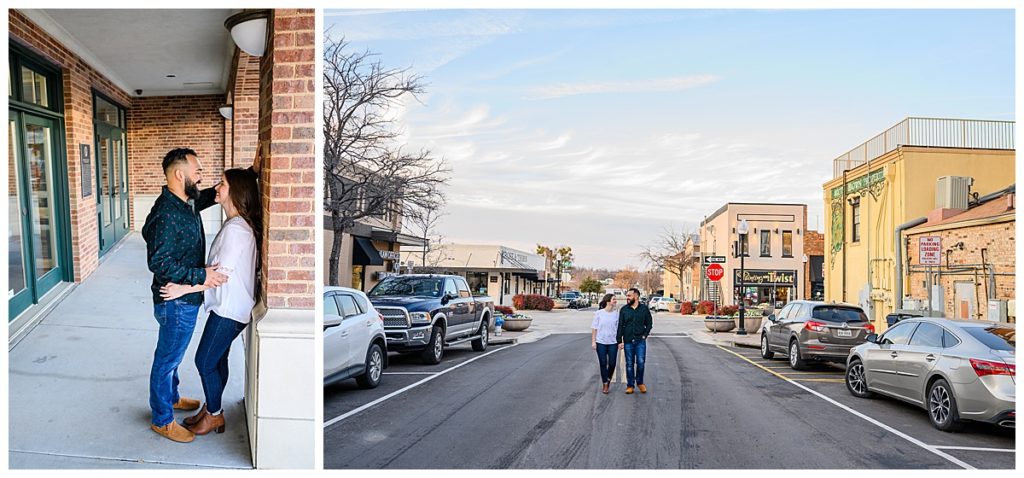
x=504, y=309
x=706, y=307
x=532, y=302
x=729, y=309
x=686, y=308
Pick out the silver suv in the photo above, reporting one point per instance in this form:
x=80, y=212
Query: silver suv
x=354, y=342
x=810, y=330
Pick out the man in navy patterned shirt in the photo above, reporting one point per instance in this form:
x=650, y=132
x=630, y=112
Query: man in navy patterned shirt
x=176, y=252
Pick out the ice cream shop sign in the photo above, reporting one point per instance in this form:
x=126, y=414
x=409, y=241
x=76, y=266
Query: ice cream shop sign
x=390, y=255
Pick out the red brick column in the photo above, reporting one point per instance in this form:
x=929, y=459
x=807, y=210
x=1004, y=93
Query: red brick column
x=287, y=85
x=245, y=92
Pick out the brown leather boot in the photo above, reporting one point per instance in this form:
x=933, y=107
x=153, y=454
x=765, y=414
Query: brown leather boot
x=604, y=388
x=643, y=388
x=195, y=418
x=173, y=431
x=208, y=423
x=187, y=404
x=629, y=390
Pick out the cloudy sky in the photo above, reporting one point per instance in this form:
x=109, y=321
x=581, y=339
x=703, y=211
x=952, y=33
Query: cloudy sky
x=598, y=129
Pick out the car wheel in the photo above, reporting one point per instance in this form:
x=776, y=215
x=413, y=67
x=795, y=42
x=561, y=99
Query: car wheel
x=435, y=348
x=942, y=409
x=766, y=353
x=856, y=381
x=374, y=368
x=479, y=345
x=795, y=360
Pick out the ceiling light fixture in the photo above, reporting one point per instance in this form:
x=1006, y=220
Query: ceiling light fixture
x=249, y=30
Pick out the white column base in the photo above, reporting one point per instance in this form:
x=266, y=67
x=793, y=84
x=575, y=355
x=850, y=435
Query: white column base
x=279, y=384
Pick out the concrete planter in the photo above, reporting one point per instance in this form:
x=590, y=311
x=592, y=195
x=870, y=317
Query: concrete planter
x=749, y=323
x=719, y=324
x=516, y=325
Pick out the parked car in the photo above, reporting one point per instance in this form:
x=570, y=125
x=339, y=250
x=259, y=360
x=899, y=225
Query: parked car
x=668, y=304
x=575, y=300
x=956, y=370
x=425, y=313
x=810, y=330
x=354, y=341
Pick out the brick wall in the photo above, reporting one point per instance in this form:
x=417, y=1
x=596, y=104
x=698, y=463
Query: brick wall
x=999, y=242
x=158, y=124
x=814, y=245
x=78, y=81
x=244, y=92
x=287, y=86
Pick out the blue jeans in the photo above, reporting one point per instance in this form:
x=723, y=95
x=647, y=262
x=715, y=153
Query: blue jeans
x=212, y=357
x=177, y=320
x=606, y=356
x=636, y=354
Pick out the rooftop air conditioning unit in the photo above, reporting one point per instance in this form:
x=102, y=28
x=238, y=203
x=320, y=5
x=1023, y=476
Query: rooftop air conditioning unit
x=952, y=192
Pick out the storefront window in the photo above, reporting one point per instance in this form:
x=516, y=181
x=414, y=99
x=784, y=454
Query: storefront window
x=766, y=243
x=357, y=277
x=33, y=88
x=787, y=243
x=477, y=282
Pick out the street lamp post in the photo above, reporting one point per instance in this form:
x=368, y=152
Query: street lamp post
x=742, y=229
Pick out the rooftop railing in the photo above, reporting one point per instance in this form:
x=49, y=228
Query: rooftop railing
x=931, y=132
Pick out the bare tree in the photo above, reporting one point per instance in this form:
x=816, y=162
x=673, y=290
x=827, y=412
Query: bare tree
x=423, y=223
x=367, y=171
x=668, y=253
x=562, y=259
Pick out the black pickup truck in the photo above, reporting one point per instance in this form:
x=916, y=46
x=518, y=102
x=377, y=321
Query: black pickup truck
x=426, y=313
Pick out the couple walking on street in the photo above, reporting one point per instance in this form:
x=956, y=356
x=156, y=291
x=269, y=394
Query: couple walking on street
x=186, y=283
x=625, y=329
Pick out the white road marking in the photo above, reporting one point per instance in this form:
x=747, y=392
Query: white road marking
x=932, y=449
x=971, y=448
x=682, y=336
x=407, y=388
x=411, y=373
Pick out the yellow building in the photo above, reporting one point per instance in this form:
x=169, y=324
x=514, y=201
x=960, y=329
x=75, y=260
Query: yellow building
x=889, y=184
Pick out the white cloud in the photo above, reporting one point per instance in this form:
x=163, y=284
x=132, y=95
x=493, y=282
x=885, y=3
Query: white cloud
x=677, y=83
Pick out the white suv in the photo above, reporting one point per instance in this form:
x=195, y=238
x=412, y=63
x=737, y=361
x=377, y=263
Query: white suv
x=354, y=341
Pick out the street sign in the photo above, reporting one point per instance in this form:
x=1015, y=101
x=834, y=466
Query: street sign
x=931, y=250
x=715, y=272
x=714, y=260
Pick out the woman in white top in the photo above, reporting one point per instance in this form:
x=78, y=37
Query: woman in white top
x=603, y=338
x=235, y=253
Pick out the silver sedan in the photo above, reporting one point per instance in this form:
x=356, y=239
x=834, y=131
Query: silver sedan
x=956, y=370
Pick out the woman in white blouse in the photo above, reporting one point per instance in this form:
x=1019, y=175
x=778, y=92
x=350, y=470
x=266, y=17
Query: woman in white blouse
x=235, y=253
x=603, y=338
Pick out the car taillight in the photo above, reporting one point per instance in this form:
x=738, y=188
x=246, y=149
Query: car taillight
x=870, y=328
x=985, y=367
x=814, y=325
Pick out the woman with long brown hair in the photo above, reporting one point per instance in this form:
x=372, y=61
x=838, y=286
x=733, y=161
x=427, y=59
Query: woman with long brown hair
x=235, y=253
x=603, y=339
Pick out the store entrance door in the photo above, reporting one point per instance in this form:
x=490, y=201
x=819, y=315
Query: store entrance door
x=111, y=173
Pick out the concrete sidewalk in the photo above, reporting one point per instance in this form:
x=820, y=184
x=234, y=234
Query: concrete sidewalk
x=569, y=321
x=79, y=381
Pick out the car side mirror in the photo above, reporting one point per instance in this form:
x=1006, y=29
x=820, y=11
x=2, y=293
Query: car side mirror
x=330, y=324
x=873, y=338
x=771, y=318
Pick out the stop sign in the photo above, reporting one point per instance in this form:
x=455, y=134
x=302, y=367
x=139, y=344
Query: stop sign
x=715, y=272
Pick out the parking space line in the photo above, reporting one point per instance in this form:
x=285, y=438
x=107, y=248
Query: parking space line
x=411, y=373
x=810, y=373
x=972, y=448
x=407, y=388
x=826, y=380
x=925, y=446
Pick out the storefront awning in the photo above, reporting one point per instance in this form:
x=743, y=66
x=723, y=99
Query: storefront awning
x=364, y=254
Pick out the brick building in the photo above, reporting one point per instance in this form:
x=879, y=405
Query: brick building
x=814, y=263
x=90, y=120
x=976, y=255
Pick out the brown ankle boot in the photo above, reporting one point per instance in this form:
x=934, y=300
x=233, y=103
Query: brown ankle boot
x=195, y=418
x=173, y=431
x=604, y=388
x=187, y=404
x=208, y=423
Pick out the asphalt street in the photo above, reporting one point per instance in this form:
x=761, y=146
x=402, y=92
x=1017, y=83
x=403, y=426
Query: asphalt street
x=538, y=405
